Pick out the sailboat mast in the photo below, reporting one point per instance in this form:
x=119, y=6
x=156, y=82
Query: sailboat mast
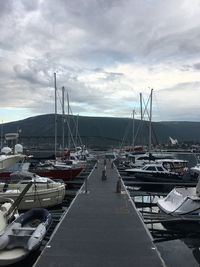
x=63, y=118
x=55, y=85
x=150, y=119
x=141, y=119
x=68, y=118
x=133, y=129
x=76, y=138
x=2, y=134
x=141, y=108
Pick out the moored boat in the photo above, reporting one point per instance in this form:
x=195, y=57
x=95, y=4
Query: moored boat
x=7, y=161
x=59, y=172
x=23, y=235
x=161, y=170
x=46, y=169
x=181, y=201
x=10, y=156
x=43, y=192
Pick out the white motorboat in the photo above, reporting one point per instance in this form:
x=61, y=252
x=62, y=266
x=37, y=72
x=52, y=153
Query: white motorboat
x=181, y=201
x=8, y=158
x=23, y=235
x=138, y=160
x=43, y=192
x=161, y=170
x=7, y=161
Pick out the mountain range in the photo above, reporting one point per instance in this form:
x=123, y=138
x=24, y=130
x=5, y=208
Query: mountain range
x=101, y=131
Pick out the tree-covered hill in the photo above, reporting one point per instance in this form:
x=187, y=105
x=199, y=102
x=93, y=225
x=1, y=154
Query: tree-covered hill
x=104, y=131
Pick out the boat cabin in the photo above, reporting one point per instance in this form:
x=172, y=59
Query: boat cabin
x=25, y=177
x=154, y=168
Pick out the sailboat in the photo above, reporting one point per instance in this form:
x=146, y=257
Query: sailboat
x=156, y=167
x=43, y=192
x=59, y=169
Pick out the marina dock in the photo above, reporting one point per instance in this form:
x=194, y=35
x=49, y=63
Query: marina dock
x=101, y=228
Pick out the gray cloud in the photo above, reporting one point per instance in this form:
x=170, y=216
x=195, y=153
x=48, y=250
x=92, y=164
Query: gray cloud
x=100, y=51
x=196, y=66
x=33, y=73
x=6, y=7
x=30, y=5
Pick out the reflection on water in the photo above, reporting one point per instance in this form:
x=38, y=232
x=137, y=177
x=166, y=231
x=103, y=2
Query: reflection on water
x=176, y=253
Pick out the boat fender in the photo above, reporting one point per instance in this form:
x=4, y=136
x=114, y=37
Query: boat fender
x=119, y=185
x=9, y=231
x=36, y=238
x=5, y=207
x=4, y=240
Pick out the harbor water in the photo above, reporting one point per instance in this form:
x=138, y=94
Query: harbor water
x=176, y=249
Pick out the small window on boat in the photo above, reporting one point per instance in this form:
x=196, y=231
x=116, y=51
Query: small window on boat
x=143, y=158
x=26, y=178
x=68, y=162
x=151, y=169
x=132, y=159
x=166, y=165
x=160, y=169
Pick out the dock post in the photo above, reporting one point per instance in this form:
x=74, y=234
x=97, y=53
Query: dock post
x=86, y=185
x=103, y=177
x=112, y=165
x=96, y=166
x=119, y=185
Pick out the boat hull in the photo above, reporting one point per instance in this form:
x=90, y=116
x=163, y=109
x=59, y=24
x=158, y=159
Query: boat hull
x=45, y=198
x=23, y=235
x=9, y=161
x=55, y=174
x=64, y=174
x=158, y=177
x=8, y=257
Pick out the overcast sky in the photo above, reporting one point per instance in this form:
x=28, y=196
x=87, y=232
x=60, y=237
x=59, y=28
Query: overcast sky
x=105, y=53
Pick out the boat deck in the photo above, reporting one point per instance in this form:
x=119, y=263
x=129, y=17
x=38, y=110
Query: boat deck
x=101, y=228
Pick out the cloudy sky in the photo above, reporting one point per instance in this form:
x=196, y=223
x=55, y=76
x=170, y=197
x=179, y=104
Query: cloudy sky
x=104, y=52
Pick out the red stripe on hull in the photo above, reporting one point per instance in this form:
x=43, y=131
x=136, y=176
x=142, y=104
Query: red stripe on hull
x=65, y=175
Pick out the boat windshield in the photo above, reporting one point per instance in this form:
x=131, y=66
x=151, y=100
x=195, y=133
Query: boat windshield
x=16, y=177
x=26, y=177
x=155, y=168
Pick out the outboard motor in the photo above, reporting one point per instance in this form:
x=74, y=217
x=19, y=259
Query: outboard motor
x=198, y=188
